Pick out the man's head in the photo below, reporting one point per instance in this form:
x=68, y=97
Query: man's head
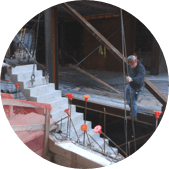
x=132, y=61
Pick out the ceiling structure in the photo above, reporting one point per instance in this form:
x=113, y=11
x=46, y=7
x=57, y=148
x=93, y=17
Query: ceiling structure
x=88, y=9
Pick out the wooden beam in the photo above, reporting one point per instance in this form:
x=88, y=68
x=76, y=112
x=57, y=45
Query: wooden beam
x=46, y=135
x=85, y=5
x=15, y=102
x=32, y=127
x=96, y=79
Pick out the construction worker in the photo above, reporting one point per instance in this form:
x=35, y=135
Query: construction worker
x=136, y=82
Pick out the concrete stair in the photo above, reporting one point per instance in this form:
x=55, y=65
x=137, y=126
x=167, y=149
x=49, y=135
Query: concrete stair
x=46, y=93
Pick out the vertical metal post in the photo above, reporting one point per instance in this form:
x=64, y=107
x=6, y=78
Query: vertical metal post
x=129, y=147
x=85, y=121
x=51, y=44
x=61, y=126
x=156, y=123
x=69, y=122
x=104, y=128
x=46, y=132
x=85, y=111
x=48, y=42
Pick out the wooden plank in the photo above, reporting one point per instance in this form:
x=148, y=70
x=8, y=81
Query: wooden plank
x=33, y=127
x=96, y=79
x=46, y=135
x=15, y=102
x=27, y=136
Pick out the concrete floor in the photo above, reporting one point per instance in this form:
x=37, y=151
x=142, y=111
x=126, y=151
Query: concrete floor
x=71, y=80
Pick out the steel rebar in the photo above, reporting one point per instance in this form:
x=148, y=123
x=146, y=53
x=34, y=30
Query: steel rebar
x=75, y=130
x=115, y=144
x=111, y=148
x=104, y=128
x=95, y=141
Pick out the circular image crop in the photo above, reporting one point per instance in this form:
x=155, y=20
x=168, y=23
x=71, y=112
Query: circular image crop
x=84, y=84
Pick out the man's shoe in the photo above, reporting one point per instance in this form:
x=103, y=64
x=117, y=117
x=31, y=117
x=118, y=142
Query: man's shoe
x=130, y=118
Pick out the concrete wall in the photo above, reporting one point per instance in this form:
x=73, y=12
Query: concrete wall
x=69, y=155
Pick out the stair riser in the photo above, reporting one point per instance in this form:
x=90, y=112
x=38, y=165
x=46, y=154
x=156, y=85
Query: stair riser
x=59, y=103
x=22, y=69
x=75, y=120
x=78, y=130
x=47, y=97
x=27, y=76
x=42, y=89
x=101, y=143
x=26, y=92
x=38, y=82
x=60, y=112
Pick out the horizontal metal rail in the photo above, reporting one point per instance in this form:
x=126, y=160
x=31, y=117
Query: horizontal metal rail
x=146, y=137
x=143, y=118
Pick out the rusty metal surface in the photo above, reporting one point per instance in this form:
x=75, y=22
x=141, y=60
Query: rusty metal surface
x=153, y=90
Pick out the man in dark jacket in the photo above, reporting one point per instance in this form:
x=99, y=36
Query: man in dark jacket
x=136, y=81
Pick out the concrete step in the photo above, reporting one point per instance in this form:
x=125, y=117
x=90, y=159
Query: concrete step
x=94, y=135
x=78, y=129
x=111, y=152
x=59, y=112
x=26, y=76
x=76, y=118
x=47, y=97
x=38, y=82
x=40, y=89
x=22, y=69
x=58, y=103
x=100, y=141
x=107, y=148
x=26, y=85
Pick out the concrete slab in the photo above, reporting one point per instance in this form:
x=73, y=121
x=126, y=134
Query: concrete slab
x=47, y=97
x=149, y=102
x=83, y=158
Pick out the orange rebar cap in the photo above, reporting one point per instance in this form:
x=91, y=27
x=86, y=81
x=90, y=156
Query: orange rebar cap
x=17, y=85
x=70, y=96
x=67, y=111
x=157, y=114
x=98, y=129
x=7, y=80
x=86, y=97
x=84, y=127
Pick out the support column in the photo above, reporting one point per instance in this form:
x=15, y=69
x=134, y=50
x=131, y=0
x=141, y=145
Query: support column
x=156, y=51
x=51, y=44
x=62, y=38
